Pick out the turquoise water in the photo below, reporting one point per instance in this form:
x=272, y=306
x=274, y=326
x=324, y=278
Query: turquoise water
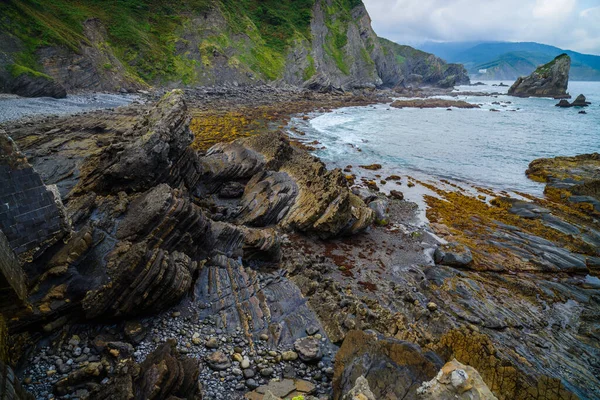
x=478, y=146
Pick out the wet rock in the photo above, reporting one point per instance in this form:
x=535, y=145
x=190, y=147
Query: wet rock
x=380, y=207
x=580, y=101
x=284, y=389
x=291, y=188
x=371, y=167
x=218, y=361
x=456, y=381
x=395, y=194
x=308, y=349
x=432, y=103
x=10, y=387
x=453, y=255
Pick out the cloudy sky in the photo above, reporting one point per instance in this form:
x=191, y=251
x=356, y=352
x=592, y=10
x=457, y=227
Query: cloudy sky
x=569, y=24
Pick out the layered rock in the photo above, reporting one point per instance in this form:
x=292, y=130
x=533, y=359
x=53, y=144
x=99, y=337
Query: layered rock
x=149, y=154
x=295, y=192
x=37, y=85
x=548, y=80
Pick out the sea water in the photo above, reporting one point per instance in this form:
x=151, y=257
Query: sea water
x=477, y=146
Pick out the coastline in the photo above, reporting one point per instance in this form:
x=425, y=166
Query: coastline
x=387, y=279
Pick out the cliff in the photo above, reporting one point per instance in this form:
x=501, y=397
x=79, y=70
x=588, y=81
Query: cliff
x=110, y=46
x=548, y=80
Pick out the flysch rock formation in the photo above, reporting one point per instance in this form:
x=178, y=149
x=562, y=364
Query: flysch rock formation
x=134, y=237
x=259, y=262
x=548, y=80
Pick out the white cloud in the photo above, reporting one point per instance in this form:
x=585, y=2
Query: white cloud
x=569, y=24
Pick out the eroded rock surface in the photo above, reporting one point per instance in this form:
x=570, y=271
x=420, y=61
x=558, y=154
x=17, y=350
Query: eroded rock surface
x=548, y=80
x=456, y=381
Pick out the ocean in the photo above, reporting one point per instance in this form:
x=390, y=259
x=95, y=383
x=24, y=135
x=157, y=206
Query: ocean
x=475, y=146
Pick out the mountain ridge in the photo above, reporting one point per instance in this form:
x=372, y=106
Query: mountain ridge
x=510, y=60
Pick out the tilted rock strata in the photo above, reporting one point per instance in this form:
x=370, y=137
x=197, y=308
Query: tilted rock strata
x=549, y=80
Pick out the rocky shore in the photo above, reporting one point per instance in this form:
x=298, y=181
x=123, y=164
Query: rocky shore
x=187, y=248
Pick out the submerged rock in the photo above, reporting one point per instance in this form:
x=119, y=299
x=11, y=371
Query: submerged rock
x=580, y=101
x=432, y=103
x=548, y=80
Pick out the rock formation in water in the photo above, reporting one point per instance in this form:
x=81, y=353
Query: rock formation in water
x=323, y=45
x=580, y=101
x=548, y=80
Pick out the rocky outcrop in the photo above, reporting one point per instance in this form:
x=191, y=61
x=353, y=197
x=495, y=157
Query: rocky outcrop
x=404, y=66
x=571, y=180
x=456, y=381
x=295, y=191
x=580, y=101
x=151, y=152
x=392, y=368
x=37, y=85
x=548, y=80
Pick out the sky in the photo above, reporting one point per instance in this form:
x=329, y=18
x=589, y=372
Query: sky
x=568, y=24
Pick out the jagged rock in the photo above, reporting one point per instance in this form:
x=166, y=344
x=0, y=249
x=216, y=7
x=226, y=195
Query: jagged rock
x=453, y=255
x=360, y=391
x=580, y=101
x=37, y=85
x=32, y=215
x=153, y=153
x=456, y=381
x=393, y=368
x=142, y=279
x=232, y=190
x=289, y=187
x=165, y=374
x=548, y=80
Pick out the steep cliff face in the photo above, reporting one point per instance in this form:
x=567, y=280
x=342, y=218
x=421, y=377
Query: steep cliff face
x=101, y=45
x=548, y=80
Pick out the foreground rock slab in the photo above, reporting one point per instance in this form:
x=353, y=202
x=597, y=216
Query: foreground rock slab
x=456, y=381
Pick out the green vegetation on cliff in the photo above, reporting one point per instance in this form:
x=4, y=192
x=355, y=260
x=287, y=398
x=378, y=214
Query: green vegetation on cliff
x=146, y=34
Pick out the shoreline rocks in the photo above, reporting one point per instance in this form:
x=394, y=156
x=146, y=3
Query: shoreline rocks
x=432, y=103
x=580, y=101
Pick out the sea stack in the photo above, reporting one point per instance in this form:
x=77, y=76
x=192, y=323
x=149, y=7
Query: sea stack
x=548, y=80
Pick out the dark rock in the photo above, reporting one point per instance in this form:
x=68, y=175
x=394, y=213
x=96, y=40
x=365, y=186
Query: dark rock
x=580, y=102
x=37, y=85
x=391, y=367
x=549, y=80
x=397, y=195
x=563, y=103
x=231, y=190
x=453, y=255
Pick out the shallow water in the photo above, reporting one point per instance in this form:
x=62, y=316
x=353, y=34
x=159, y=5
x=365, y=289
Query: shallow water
x=478, y=146
x=12, y=107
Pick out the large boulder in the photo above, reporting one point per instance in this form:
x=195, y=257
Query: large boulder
x=548, y=80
